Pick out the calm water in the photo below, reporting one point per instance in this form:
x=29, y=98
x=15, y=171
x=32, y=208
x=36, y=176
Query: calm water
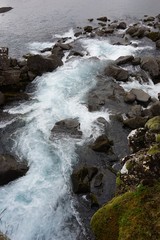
x=39, y=20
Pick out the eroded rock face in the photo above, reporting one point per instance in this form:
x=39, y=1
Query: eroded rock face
x=39, y=64
x=67, y=127
x=11, y=169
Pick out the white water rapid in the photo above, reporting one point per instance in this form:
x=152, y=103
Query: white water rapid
x=39, y=206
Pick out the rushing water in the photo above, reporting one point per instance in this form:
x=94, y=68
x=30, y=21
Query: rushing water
x=39, y=205
x=38, y=21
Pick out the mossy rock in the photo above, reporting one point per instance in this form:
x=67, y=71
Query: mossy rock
x=154, y=149
x=153, y=124
x=131, y=216
x=158, y=138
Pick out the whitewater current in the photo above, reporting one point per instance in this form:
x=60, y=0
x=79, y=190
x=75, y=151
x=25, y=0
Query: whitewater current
x=40, y=205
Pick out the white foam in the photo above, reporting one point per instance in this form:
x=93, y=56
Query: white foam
x=69, y=34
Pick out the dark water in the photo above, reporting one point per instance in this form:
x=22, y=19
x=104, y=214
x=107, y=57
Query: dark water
x=39, y=20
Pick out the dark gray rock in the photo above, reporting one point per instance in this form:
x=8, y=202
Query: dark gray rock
x=154, y=36
x=135, y=122
x=5, y=9
x=69, y=126
x=39, y=64
x=10, y=77
x=63, y=46
x=122, y=25
x=124, y=59
x=129, y=97
x=80, y=181
x=101, y=144
x=116, y=72
x=149, y=64
x=11, y=169
x=103, y=19
x=88, y=29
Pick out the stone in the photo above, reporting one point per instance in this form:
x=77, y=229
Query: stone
x=149, y=64
x=136, y=139
x=135, y=122
x=11, y=169
x=153, y=124
x=80, y=181
x=101, y=144
x=48, y=49
x=129, y=97
x=88, y=29
x=140, y=95
x=124, y=59
x=122, y=25
x=154, y=36
x=136, y=61
x=155, y=109
x=63, y=46
x=116, y=72
x=103, y=19
x=69, y=126
x=39, y=64
x=5, y=9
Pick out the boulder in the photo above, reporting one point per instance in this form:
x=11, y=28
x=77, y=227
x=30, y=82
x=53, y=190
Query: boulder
x=57, y=52
x=129, y=97
x=155, y=109
x=153, y=124
x=116, y=72
x=124, y=59
x=11, y=169
x=39, y=64
x=149, y=64
x=140, y=95
x=69, y=126
x=101, y=144
x=63, y=46
x=135, y=122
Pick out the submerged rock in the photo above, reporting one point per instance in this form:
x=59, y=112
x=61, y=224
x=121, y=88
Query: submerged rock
x=11, y=169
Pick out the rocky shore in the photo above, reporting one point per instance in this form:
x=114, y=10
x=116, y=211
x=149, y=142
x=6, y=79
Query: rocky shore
x=111, y=162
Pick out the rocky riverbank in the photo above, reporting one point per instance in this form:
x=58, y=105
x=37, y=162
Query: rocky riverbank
x=94, y=178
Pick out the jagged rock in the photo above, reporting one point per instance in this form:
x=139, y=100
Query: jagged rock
x=116, y=72
x=11, y=169
x=101, y=144
x=124, y=59
x=140, y=95
x=149, y=64
x=39, y=64
x=69, y=126
x=122, y=25
x=103, y=19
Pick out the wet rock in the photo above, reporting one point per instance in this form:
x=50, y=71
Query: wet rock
x=11, y=169
x=69, y=126
x=154, y=36
x=39, y=64
x=136, y=61
x=88, y=29
x=2, y=98
x=129, y=97
x=90, y=19
x=75, y=53
x=155, y=109
x=4, y=62
x=149, y=64
x=122, y=25
x=48, y=49
x=135, y=31
x=63, y=46
x=80, y=181
x=140, y=95
x=57, y=52
x=101, y=144
x=124, y=59
x=77, y=34
x=158, y=44
x=5, y=9
x=15, y=96
x=98, y=180
x=149, y=19
x=116, y=72
x=10, y=77
x=103, y=19
x=135, y=122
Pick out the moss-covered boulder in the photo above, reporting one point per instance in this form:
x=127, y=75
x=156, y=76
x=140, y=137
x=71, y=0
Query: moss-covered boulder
x=133, y=215
x=153, y=124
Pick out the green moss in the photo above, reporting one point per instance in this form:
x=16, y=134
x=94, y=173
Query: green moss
x=154, y=149
x=153, y=124
x=133, y=215
x=129, y=165
x=119, y=182
x=158, y=138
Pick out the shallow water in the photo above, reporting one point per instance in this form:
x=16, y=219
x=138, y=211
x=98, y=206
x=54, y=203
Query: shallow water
x=38, y=21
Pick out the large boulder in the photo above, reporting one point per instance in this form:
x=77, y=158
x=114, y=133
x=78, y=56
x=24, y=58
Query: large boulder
x=140, y=95
x=101, y=144
x=11, y=169
x=116, y=72
x=69, y=126
x=124, y=59
x=149, y=64
x=39, y=64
